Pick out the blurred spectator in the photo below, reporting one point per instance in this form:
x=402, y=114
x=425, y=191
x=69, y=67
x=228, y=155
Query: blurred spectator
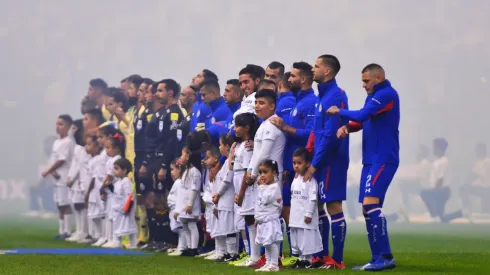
x=479, y=185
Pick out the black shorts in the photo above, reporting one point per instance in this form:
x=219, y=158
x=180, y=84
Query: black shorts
x=138, y=160
x=150, y=185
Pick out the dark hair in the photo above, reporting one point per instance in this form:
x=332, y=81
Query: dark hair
x=119, y=97
x=147, y=81
x=372, y=67
x=78, y=136
x=87, y=104
x=108, y=130
x=272, y=164
x=131, y=78
x=178, y=164
x=264, y=82
x=332, y=62
x=441, y=143
x=285, y=80
x=93, y=138
x=248, y=120
x=97, y=115
x=208, y=74
x=66, y=118
x=303, y=153
x=154, y=87
x=118, y=140
x=211, y=83
x=136, y=80
x=277, y=65
x=124, y=164
x=98, y=83
x=304, y=68
x=171, y=85
x=253, y=71
x=227, y=139
x=214, y=152
x=266, y=93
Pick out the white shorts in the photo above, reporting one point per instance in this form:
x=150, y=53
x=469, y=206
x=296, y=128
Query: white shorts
x=248, y=204
x=174, y=224
x=226, y=223
x=77, y=197
x=239, y=220
x=62, y=196
x=269, y=233
x=306, y=241
x=95, y=210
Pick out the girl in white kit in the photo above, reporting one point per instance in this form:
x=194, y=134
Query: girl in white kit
x=176, y=168
x=95, y=171
x=246, y=126
x=79, y=162
x=188, y=207
x=305, y=236
x=268, y=209
x=227, y=236
x=211, y=160
x=124, y=210
x=115, y=147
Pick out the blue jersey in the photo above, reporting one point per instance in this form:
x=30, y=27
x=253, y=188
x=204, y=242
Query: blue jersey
x=285, y=105
x=383, y=113
x=368, y=137
x=200, y=112
x=328, y=149
x=302, y=119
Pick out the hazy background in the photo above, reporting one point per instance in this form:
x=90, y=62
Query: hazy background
x=435, y=52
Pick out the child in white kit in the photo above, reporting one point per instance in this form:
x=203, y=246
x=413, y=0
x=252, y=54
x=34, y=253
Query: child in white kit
x=227, y=236
x=96, y=175
x=79, y=162
x=211, y=160
x=115, y=147
x=305, y=236
x=175, y=225
x=124, y=210
x=188, y=207
x=268, y=209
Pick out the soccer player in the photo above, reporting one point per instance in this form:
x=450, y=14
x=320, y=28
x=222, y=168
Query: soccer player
x=211, y=95
x=330, y=161
x=266, y=84
x=96, y=93
x=383, y=111
x=249, y=78
x=200, y=111
x=233, y=96
x=60, y=161
x=286, y=99
x=297, y=126
x=274, y=72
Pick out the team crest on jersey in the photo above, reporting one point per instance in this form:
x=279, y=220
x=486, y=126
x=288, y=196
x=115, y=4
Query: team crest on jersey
x=160, y=126
x=213, y=120
x=139, y=125
x=179, y=134
x=295, y=112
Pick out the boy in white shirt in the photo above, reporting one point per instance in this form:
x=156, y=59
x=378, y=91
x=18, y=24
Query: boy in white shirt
x=60, y=161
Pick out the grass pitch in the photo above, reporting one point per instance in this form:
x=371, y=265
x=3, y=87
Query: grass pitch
x=418, y=249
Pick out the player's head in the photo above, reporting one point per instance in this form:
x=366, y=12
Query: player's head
x=210, y=91
x=103, y=133
x=87, y=104
x=176, y=169
x=96, y=88
x=265, y=103
x=233, y=93
x=116, y=144
x=212, y=157
x=372, y=75
x=188, y=97
x=122, y=167
x=132, y=90
x=301, y=160
x=63, y=125
x=301, y=76
x=284, y=85
x=126, y=82
x=205, y=74
x=168, y=90
x=92, y=146
x=92, y=119
x=151, y=95
x=326, y=67
x=77, y=131
x=116, y=99
x=268, y=172
x=267, y=84
x=274, y=71
x=440, y=147
x=246, y=125
x=481, y=150
x=143, y=90
x=249, y=78
x=225, y=143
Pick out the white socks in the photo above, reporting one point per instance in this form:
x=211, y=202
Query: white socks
x=220, y=245
x=182, y=245
x=254, y=248
x=97, y=228
x=84, y=222
x=61, y=228
x=190, y=229
x=109, y=233
x=68, y=223
x=231, y=245
x=272, y=254
x=245, y=242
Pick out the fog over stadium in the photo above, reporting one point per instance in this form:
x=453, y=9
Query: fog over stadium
x=435, y=54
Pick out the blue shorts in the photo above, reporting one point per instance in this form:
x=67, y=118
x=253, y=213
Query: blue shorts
x=332, y=183
x=286, y=189
x=375, y=180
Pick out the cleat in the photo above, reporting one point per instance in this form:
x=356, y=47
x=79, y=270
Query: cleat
x=224, y=258
x=332, y=264
x=175, y=253
x=242, y=258
x=381, y=264
x=233, y=258
x=189, y=253
x=212, y=257
x=248, y=263
x=100, y=242
x=297, y=265
x=268, y=268
x=206, y=254
x=260, y=263
x=317, y=262
x=288, y=261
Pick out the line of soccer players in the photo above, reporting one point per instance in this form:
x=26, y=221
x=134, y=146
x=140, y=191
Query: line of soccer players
x=267, y=160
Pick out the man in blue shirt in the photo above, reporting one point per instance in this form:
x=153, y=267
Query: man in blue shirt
x=220, y=112
x=286, y=99
x=383, y=113
x=200, y=111
x=274, y=72
x=330, y=161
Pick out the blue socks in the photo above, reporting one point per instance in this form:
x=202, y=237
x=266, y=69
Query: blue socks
x=324, y=227
x=371, y=238
x=339, y=230
x=241, y=245
x=380, y=229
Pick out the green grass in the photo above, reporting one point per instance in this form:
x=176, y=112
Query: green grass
x=419, y=249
